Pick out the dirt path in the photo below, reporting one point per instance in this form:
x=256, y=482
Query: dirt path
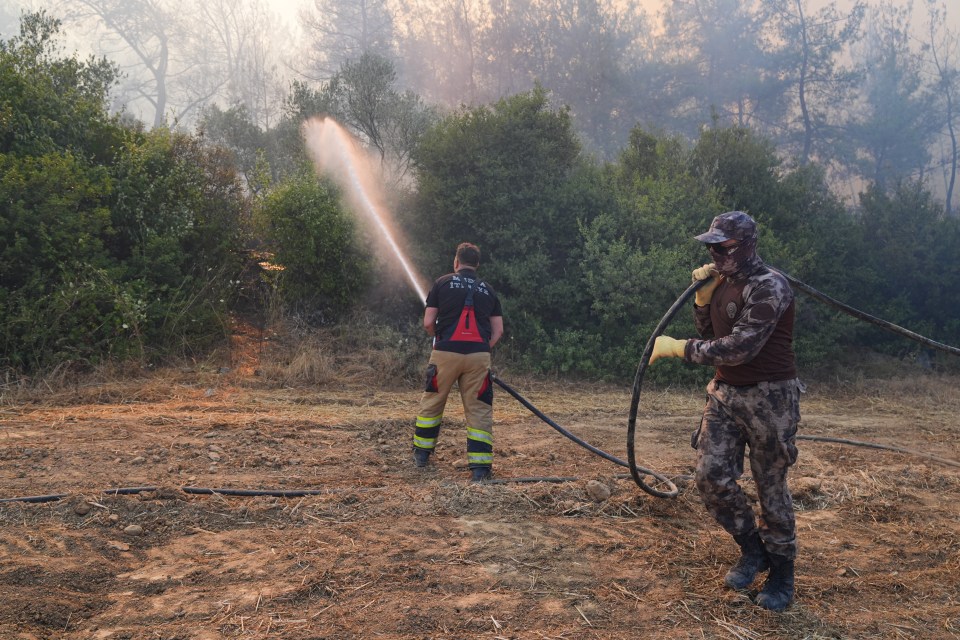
x=391, y=551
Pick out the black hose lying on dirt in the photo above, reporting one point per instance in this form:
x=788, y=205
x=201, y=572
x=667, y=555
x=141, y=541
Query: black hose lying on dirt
x=273, y=493
x=37, y=499
x=636, y=472
x=126, y=491
x=581, y=442
x=278, y=493
x=532, y=479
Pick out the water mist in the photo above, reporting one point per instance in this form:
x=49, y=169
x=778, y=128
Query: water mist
x=337, y=154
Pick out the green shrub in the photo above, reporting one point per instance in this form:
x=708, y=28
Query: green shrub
x=113, y=242
x=325, y=263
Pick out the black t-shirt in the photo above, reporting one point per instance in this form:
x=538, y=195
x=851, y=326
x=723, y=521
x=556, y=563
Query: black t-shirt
x=448, y=294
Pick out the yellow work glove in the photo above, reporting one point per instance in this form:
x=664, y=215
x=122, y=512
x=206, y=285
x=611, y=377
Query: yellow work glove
x=667, y=347
x=705, y=293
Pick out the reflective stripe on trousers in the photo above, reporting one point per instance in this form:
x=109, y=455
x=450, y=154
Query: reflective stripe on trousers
x=479, y=447
x=425, y=435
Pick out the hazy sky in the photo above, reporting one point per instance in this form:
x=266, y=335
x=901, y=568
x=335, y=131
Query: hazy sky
x=289, y=9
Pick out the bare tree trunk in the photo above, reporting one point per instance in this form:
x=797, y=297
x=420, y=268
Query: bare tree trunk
x=802, y=88
x=946, y=76
x=160, y=76
x=951, y=183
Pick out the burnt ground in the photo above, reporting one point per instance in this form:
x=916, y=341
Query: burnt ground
x=391, y=551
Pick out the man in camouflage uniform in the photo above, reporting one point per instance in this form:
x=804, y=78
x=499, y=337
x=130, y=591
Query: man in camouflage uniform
x=745, y=316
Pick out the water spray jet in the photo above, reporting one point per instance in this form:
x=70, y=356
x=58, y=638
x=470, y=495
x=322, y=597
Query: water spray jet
x=337, y=154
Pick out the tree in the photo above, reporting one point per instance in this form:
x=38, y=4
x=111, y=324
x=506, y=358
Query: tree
x=179, y=218
x=144, y=29
x=113, y=242
x=942, y=46
x=238, y=40
x=894, y=127
x=344, y=30
x=589, y=44
x=507, y=177
x=638, y=252
x=741, y=165
x=182, y=56
x=910, y=258
x=477, y=51
x=325, y=264
x=813, y=45
x=48, y=102
x=363, y=96
x=728, y=62
x=577, y=51
x=441, y=49
x=284, y=151
x=362, y=93
x=234, y=130
x=54, y=136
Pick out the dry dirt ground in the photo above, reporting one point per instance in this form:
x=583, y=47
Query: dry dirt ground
x=391, y=551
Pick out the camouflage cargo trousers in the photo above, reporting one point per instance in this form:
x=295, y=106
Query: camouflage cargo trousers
x=765, y=418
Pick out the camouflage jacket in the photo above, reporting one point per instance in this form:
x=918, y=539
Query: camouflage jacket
x=747, y=329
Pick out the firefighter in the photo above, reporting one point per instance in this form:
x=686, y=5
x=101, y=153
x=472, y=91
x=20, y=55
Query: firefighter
x=464, y=317
x=744, y=315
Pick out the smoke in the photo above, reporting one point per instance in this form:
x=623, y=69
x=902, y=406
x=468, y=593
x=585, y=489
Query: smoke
x=337, y=154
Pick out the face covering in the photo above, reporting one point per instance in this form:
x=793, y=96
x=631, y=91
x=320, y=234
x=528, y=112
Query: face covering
x=733, y=263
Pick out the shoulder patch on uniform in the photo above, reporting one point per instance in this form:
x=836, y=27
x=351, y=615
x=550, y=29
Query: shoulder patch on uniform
x=731, y=310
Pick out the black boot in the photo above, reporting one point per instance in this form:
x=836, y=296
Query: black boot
x=480, y=474
x=777, y=593
x=421, y=456
x=753, y=560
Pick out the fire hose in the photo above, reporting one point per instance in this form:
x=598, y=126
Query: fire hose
x=637, y=472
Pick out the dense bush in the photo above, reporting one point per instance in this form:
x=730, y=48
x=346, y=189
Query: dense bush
x=179, y=215
x=116, y=242
x=52, y=104
x=325, y=264
x=51, y=256
x=509, y=178
x=113, y=242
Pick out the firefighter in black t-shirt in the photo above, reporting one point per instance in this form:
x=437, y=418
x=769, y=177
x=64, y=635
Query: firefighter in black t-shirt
x=464, y=317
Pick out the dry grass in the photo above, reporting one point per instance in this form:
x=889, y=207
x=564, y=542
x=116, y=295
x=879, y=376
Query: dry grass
x=111, y=382
x=354, y=352
x=310, y=364
x=360, y=351
x=413, y=553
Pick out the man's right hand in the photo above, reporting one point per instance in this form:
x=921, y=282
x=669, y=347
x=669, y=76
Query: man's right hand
x=704, y=294
x=667, y=347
